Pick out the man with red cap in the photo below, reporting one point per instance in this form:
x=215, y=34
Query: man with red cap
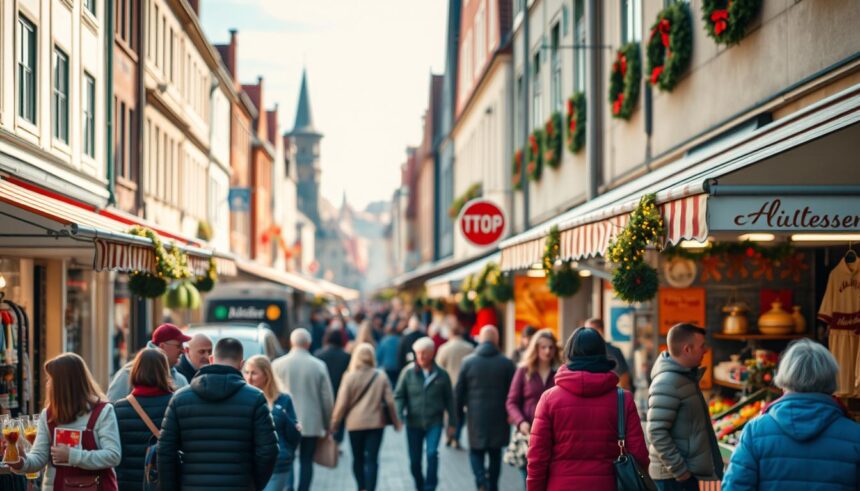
x=168, y=338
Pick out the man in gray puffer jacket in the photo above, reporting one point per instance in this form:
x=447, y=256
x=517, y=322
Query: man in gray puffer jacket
x=683, y=445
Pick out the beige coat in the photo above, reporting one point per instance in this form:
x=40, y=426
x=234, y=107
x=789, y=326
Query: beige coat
x=365, y=413
x=306, y=379
x=450, y=357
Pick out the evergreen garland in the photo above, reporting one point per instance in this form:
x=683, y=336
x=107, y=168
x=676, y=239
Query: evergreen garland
x=552, y=141
x=474, y=191
x=726, y=21
x=564, y=281
x=576, y=115
x=169, y=265
x=624, y=81
x=516, y=172
x=634, y=280
x=670, y=46
x=534, y=156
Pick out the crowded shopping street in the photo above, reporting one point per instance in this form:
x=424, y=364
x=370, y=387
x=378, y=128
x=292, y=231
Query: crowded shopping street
x=382, y=245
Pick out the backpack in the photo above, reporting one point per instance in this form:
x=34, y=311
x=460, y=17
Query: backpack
x=150, y=461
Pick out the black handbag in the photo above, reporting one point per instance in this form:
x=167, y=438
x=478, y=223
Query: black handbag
x=628, y=474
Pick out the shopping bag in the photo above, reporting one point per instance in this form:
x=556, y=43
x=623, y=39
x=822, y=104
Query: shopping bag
x=326, y=452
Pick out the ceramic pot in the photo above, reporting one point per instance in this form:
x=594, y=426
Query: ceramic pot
x=736, y=322
x=799, y=321
x=776, y=321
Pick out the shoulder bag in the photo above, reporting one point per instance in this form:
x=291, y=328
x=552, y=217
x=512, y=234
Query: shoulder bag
x=628, y=474
x=150, y=461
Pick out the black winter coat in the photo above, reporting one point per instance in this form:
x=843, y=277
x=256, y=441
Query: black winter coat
x=224, y=429
x=337, y=361
x=186, y=368
x=135, y=436
x=482, y=389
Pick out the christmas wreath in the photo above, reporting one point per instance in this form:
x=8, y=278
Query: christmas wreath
x=634, y=280
x=576, y=122
x=726, y=20
x=516, y=173
x=552, y=141
x=206, y=282
x=169, y=265
x=534, y=157
x=669, y=47
x=624, y=81
x=564, y=281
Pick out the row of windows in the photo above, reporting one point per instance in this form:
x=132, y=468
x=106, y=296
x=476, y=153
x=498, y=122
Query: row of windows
x=171, y=52
x=125, y=26
x=168, y=164
x=28, y=92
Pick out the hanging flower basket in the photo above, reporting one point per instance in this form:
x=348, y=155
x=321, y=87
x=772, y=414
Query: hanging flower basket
x=170, y=265
x=576, y=115
x=206, y=282
x=552, y=141
x=636, y=283
x=633, y=279
x=624, y=81
x=670, y=46
x=726, y=21
x=563, y=281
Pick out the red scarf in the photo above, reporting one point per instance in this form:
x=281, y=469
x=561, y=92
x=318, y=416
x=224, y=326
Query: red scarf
x=144, y=391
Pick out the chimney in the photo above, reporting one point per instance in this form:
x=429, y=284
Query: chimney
x=232, y=53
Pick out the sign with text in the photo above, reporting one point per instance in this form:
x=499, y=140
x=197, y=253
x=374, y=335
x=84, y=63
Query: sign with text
x=681, y=305
x=784, y=213
x=482, y=222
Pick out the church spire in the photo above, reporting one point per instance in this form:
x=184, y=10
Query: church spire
x=304, y=119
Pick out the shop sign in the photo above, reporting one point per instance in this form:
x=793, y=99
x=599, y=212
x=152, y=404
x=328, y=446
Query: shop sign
x=239, y=200
x=244, y=310
x=784, y=213
x=482, y=222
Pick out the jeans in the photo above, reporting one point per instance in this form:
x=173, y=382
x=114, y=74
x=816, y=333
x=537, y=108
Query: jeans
x=459, y=430
x=691, y=484
x=489, y=481
x=338, y=435
x=365, y=457
x=416, y=437
x=280, y=482
x=306, y=460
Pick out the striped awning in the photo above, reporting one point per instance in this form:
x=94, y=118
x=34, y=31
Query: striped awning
x=126, y=258
x=684, y=219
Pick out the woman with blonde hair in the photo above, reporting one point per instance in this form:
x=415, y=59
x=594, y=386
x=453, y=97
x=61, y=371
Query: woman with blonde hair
x=258, y=373
x=366, y=402
x=534, y=376
x=74, y=402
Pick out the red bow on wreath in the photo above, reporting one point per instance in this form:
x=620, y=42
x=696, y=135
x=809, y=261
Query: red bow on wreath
x=720, y=18
x=623, y=64
x=663, y=27
x=533, y=144
x=616, y=106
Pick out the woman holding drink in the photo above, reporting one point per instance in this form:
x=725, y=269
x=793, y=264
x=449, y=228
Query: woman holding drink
x=77, y=436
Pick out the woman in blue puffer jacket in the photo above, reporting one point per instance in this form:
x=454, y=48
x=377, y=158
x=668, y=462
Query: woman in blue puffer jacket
x=804, y=440
x=258, y=372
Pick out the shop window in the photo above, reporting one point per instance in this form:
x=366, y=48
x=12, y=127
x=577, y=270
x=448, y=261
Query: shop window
x=79, y=310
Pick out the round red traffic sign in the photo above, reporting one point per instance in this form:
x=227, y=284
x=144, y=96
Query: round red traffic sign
x=482, y=222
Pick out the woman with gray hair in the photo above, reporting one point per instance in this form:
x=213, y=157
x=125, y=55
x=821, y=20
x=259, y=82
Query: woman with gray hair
x=804, y=440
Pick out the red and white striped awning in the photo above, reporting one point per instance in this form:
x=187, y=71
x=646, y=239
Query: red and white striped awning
x=684, y=219
x=127, y=258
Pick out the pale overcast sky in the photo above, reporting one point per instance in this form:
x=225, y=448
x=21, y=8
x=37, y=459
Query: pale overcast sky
x=369, y=65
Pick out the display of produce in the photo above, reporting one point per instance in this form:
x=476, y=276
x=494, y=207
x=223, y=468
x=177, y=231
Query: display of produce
x=733, y=422
x=720, y=405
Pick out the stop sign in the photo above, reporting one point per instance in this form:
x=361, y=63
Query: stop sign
x=482, y=222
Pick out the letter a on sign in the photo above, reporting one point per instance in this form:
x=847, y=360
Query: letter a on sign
x=482, y=222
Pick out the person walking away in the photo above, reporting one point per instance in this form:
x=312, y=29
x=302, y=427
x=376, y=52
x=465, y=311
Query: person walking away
x=450, y=358
x=481, y=392
x=807, y=422
x=237, y=452
x=414, y=331
x=423, y=395
x=683, y=445
x=534, y=376
x=319, y=325
x=525, y=339
x=336, y=361
x=74, y=403
x=366, y=402
x=386, y=354
x=258, y=373
x=151, y=390
x=621, y=367
x=574, y=438
x=306, y=379
x=168, y=338
x=197, y=352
